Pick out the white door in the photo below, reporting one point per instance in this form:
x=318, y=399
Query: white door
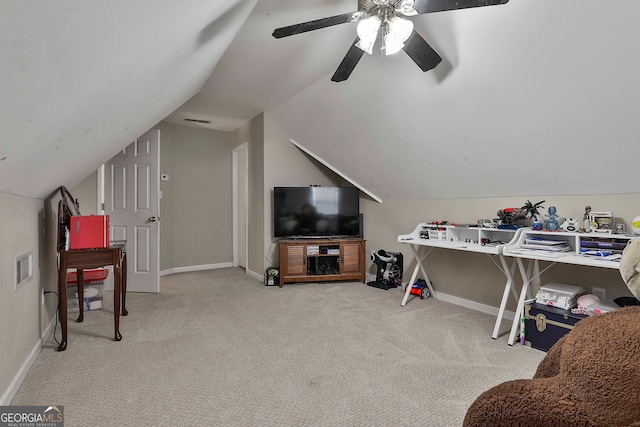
x=131, y=199
x=240, y=206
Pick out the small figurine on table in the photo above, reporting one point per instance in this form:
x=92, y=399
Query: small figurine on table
x=551, y=223
x=586, y=221
x=531, y=211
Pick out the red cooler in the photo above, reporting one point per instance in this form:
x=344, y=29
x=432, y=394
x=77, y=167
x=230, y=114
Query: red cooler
x=89, y=231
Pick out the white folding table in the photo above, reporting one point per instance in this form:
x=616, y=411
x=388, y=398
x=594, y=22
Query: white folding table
x=531, y=273
x=490, y=241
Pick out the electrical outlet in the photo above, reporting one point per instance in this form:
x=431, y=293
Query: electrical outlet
x=600, y=293
x=42, y=299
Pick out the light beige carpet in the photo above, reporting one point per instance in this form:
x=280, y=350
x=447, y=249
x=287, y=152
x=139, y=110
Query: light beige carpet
x=219, y=348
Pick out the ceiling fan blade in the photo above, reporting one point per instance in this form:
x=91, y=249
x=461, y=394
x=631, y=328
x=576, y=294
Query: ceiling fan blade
x=430, y=6
x=348, y=63
x=317, y=24
x=422, y=54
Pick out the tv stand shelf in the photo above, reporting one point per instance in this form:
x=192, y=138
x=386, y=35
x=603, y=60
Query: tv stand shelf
x=322, y=260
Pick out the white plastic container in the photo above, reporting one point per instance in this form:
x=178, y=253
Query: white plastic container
x=559, y=295
x=93, y=296
x=602, y=307
x=438, y=234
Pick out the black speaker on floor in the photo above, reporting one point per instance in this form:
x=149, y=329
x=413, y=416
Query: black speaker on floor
x=272, y=276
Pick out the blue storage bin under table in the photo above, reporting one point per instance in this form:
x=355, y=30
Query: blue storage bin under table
x=545, y=325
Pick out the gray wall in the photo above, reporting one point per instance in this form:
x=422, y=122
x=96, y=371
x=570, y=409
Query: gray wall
x=196, y=204
x=253, y=134
x=86, y=193
x=286, y=165
x=23, y=228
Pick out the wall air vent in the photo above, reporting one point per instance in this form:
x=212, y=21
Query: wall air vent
x=24, y=269
x=204, y=122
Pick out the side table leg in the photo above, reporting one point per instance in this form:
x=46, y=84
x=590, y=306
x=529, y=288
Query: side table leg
x=116, y=294
x=124, y=284
x=80, y=277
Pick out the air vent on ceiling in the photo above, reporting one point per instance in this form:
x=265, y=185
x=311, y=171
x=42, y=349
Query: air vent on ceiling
x=205, y=122
x=24, y=269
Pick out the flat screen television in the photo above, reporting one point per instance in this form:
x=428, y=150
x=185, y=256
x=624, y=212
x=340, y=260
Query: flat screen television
x=316, y=212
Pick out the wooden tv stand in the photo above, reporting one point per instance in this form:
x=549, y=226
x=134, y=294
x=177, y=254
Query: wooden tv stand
x=322, y=260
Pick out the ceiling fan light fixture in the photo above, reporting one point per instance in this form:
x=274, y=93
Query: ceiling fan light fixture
x=368, y=33
x=406, y=8
x=398, y=31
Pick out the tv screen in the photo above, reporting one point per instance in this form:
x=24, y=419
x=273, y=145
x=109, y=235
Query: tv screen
x=316, y=212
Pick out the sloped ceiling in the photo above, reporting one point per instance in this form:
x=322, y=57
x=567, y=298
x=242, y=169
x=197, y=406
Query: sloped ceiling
x=542, y=99
x=80, y=80
x=535, y=97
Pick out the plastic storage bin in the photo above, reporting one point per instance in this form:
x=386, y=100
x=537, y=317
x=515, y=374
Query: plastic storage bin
x=438, y=234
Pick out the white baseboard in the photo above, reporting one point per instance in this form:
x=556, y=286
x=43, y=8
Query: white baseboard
x=255, y=275
x=195, y=268
x=484, y=308
x=8, y=394
x=169, y=271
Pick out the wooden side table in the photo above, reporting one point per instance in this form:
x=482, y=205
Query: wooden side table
x=81, y=259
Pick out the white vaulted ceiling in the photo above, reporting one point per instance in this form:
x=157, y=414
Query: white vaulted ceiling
x=80, y=80
x=532, y=97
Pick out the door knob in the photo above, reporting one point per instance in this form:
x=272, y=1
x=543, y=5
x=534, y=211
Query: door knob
x=153, y=219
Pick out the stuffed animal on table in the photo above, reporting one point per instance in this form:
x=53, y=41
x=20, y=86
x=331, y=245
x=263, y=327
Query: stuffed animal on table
x=590, y=377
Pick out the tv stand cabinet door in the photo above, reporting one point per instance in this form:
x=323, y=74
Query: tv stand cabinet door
x=351, y=259
x=293, y=260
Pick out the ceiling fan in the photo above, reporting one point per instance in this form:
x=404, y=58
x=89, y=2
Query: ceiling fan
x=397, y=31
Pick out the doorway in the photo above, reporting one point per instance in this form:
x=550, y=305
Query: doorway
x=131, y=199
